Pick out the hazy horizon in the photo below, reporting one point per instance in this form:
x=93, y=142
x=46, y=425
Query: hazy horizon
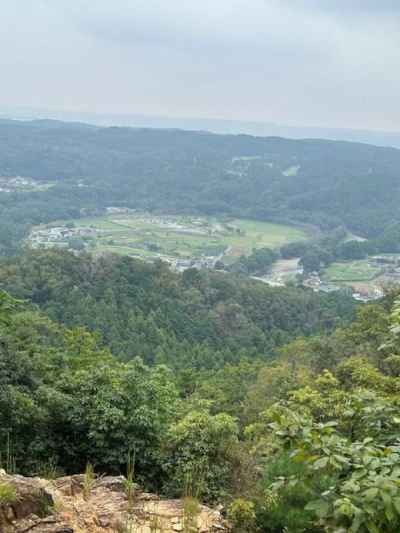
x=100, y=117
x=212, y=125
x=296, y=63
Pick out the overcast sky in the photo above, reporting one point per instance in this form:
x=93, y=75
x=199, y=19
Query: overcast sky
x=300, y=62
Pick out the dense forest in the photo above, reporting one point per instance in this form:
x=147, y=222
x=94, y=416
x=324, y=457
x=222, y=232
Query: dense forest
x=289, y=434
x=323, y=183
x=199, y=318
x=278, y=403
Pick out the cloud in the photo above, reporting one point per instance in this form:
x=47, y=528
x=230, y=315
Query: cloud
x=369, y=7
x=237, y=21
x=207, y=23
x=298, y=61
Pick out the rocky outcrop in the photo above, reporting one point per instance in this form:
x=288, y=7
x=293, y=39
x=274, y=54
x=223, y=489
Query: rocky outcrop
x=75, y=504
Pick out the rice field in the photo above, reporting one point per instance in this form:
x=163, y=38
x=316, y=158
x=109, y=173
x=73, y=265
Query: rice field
x=361, y=270
x=151, y=236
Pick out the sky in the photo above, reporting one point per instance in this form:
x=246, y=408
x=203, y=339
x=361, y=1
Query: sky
x=331, y=63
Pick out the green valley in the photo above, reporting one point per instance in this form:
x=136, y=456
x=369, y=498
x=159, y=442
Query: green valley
x=178, y=240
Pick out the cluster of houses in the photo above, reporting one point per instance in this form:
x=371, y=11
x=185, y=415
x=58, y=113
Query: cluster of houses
x=12, y=184
x=366, y=295
x=119, y=211
x=189, y=225
x=194, y=226
x=183, y=264
x=180, y=265
x=314, y=282
x=59, y=235
x=363, y=292
x=390, y=265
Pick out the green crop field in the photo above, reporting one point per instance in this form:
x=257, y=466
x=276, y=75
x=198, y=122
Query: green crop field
x=181, y=237
x=351, y=271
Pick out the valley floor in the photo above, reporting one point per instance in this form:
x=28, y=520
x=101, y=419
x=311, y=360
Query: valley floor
x=182, y=241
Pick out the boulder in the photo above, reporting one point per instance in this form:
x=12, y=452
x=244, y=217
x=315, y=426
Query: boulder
x=64, y=506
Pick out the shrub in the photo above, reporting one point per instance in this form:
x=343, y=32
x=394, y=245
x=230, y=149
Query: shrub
x=285, y=511
x=191, y=510
x=242, y=514
x=8, y=494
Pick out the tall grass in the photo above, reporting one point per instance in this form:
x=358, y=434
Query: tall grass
x=7, y=457
x=194, y=484
x=88, y=481
x=130, y=475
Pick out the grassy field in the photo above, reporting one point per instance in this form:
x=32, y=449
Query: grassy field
x=184, y=236
x=351, y=271
x=291, y=171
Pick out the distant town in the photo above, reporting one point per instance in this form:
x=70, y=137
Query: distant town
x=22, y=184
x=79, y=238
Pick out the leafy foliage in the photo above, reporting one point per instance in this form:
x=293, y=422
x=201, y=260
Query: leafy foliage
x=201, y=448
x=197, y=319
x=8, y=494
x=364, y=475
x=302, y=436
x=242, y=514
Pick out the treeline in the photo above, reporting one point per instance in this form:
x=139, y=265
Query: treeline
x=19, y=211
x=304, y=442
x=333, y=246
x=258, y=262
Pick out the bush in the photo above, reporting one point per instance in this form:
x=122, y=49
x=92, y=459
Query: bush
x=285, y=512
x=8, y=494
x=242, y=514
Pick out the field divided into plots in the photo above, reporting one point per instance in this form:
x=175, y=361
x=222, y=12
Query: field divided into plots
x=181, y=237
x=361, y=270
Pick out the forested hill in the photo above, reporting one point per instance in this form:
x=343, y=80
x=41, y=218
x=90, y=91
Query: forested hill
x=307, y=441
x=195, y=319
x=327, y=183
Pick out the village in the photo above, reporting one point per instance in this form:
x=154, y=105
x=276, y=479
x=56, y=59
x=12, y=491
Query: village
x=380, y=271
x=49, y=237
x=365, y=279
x=361, y=291
x=75, y=237
x=182, y=241
x=22, y=184
x=194, y=242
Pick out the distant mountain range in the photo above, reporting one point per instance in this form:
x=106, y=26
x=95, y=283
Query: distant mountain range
x=262, y=129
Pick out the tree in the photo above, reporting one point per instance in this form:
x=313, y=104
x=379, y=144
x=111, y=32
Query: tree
x=200, y=452
x=112, y=409
x=315, y=258
x=364, y=477
x=76, y=243
x=7, y=306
